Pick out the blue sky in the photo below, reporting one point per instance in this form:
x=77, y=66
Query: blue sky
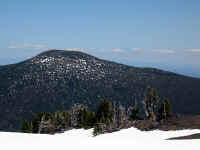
x=150, y=33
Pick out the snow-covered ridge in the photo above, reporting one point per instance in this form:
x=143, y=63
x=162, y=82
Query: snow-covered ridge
x=82, y=139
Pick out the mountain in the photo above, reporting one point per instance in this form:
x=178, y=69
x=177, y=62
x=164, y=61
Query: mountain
x=56, y=79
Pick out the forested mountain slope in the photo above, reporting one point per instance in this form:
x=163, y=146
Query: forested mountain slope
x=56, y=79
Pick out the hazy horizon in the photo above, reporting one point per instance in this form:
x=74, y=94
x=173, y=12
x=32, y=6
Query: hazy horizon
x=137, y=60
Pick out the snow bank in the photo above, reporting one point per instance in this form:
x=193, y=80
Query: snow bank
x=83, y=139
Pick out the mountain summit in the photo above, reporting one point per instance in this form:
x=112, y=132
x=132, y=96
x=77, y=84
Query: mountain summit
x=57, y=79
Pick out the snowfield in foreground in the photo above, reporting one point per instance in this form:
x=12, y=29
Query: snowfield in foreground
x=83, y=139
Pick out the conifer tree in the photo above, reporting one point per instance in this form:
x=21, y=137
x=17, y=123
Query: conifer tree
x=134, y=113
x=36, y=121
x=76, y=118
x=105, y=111
x=26, y=127
x=43, y=123
x=62, y=120
x=81, y=117
x=121, y=115
x=151, y=103
x=165, y=109
x=86, y=118
x=97, y=129
x=47, y=124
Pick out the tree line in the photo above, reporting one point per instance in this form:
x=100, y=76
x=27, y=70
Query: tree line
x=109, y=117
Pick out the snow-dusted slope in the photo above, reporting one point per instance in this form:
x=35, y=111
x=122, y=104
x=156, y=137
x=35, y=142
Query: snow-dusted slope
x=127, y=139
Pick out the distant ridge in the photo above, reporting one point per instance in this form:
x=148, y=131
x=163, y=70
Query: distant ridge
x=56, y=79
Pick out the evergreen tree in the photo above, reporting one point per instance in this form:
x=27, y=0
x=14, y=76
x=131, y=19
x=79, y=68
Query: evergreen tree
x=121, y=115
x=36, y=122
x=43, y=123
x=26, y=127
x=105, y=112
x=47, y=124
x=62, y=120
x=134, y=113
x=89, y=119
x=86, y=118
x=151, y=103
x=78, y=115
x=165, y=109
x=97, y=129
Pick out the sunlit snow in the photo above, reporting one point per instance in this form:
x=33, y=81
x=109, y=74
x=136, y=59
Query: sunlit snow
x=127, y=139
